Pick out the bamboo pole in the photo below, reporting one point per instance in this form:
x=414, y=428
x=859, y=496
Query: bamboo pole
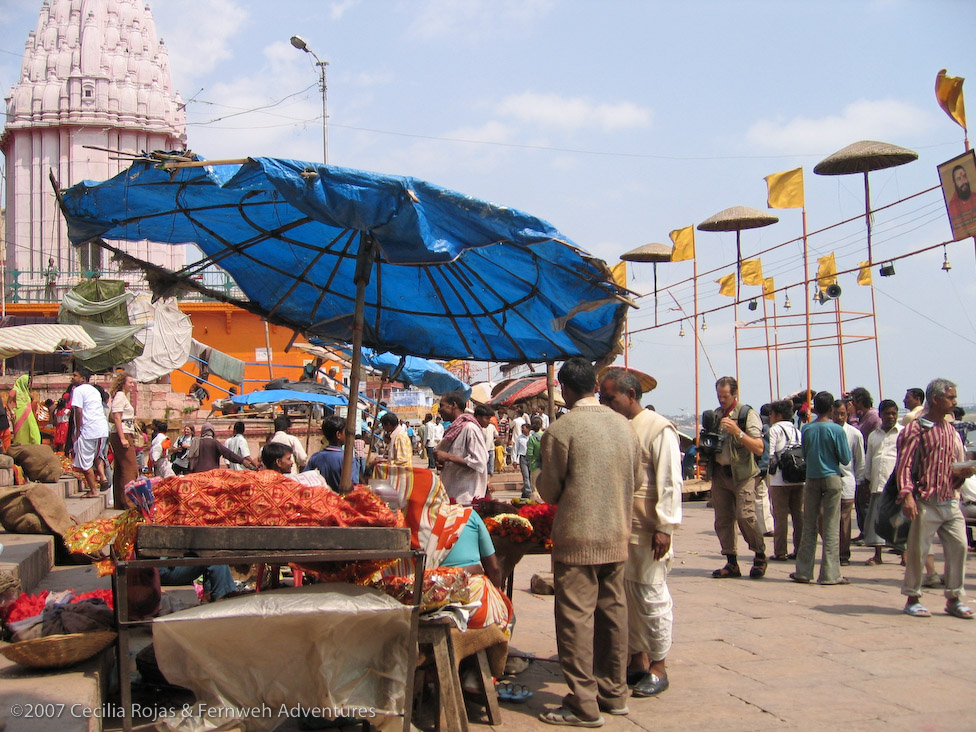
x=806, y=301
x=364, y=266
x=769, y=356
x=551, y=390
x=697, y=404
x=874, y=307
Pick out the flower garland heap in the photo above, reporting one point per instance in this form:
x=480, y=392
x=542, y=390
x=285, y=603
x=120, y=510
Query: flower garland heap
x=531, y=523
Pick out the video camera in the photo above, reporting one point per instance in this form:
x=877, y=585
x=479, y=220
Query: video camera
x=711, y=439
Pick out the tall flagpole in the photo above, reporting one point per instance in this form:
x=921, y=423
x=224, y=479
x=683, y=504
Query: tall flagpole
x=806, y=298
x=874, y=307
x=694, y=279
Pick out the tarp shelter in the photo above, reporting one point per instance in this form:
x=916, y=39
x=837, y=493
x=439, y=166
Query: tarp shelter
x=42, y=338
x=414, y=371
x=392, y=263
x=279, y=396
x=521, y=389
x=101, y=308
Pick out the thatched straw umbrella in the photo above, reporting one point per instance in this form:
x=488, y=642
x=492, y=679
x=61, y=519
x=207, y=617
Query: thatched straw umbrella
x=652, y=253
x=863, y=157
x=736, y=219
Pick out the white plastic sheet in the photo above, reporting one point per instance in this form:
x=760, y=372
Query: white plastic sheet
x=253, y=661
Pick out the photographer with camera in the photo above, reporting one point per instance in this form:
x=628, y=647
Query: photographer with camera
x=731, y=439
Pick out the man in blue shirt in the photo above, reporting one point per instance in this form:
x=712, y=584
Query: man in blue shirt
x=825, y=448
x=328, y=461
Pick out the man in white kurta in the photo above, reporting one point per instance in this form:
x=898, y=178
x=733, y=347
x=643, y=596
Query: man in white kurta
x=657, y=513
x=462, y=455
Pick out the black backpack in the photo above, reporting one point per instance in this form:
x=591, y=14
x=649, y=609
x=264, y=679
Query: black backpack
x=792, y=463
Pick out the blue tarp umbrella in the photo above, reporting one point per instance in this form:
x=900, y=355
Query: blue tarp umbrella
x=278, y=396
x=414, y=371
x=389, y=262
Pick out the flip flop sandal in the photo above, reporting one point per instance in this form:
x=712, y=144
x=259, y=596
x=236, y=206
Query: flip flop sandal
x=918, y=610
x=799, y=578
x=960, y=610
x=514, y=693
x=758, y=568
x=564, y=716
x=873, y=561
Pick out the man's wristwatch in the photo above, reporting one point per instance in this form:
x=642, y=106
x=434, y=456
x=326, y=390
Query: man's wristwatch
x=741, y=435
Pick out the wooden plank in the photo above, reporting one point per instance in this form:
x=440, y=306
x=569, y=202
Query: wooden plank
x=155, y=540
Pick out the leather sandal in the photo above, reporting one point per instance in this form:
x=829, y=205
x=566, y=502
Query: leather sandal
x=758, y=570
x=729, y=570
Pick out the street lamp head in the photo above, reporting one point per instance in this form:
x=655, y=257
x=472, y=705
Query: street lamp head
x=299, y=43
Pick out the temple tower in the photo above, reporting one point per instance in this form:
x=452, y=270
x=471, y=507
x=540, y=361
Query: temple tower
x=95, y=81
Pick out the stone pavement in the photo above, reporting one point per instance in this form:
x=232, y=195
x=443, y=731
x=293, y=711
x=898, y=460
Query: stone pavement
x=771, y=654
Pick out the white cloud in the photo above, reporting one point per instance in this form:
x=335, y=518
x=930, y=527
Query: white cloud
x=474, y=19
x=572, y=113
x=882, y=120
x=338, y=9
x=215, y=24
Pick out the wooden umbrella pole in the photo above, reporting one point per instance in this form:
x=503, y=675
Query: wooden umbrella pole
x=694, y=279
x=738, y=289
x=376, y=419
x=874, y=307
x=551, y=390
x=267, y=346
x=364, y=265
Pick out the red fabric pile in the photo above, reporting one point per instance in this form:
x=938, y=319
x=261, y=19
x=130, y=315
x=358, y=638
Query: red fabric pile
x=29, y=606
x=263, y=498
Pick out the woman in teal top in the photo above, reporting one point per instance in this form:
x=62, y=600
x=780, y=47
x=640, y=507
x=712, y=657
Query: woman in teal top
x=475, y=552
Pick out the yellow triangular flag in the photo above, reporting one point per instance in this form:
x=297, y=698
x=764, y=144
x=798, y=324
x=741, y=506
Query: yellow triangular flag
x=864, y=275
x=726, y=285
x=785, y=189
x=751, y=272
x=684, y=244
x=948, y=92
x=619, y=272
x=826, y=271
x=769, y=289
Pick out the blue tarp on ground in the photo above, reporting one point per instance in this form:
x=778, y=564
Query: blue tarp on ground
x=452, y=276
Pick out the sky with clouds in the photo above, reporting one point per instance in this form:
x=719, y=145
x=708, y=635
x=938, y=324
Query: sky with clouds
x=618, y=122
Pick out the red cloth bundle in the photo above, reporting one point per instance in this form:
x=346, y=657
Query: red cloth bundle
x=264, y=498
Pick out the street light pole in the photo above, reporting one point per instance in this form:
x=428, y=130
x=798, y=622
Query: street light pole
x=299, y=43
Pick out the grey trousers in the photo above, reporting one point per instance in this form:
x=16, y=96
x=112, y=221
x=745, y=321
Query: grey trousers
x=821, y=493
x=591, y=635
x=946, y=520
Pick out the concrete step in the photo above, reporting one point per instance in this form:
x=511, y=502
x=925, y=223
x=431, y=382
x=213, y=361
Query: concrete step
x=87, y=509
x=59, y=700
x=29, y=557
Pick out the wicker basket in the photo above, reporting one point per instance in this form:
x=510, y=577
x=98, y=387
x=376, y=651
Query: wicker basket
x=58, y=651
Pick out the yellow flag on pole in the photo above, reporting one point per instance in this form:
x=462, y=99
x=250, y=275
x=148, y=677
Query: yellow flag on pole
x=752, y=272
x=619, y=272
x=864, y=275
x=785, y=189
x=684, y=244
x=769, y=289
x=826, y=271
x=726, y=285
x=948, y=92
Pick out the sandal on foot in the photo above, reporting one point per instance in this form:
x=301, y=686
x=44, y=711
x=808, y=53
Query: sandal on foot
x=960, y=610
x=799, y=578
x=778, y=558
x=729, y=570
x=873, y=561
x=791, y=556
x=616, y=711
x=564, y=716
x=917, y=610
x=514, y=693
x=759, y=565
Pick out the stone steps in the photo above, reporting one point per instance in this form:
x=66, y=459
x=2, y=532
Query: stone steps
x=70, y=699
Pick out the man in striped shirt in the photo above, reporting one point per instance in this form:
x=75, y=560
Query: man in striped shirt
x=928, y=490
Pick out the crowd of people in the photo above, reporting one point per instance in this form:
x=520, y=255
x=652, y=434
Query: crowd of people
x=851, y=455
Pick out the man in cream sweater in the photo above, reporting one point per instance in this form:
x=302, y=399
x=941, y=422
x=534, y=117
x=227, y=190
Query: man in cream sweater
x=657, y=513
x=591, y=465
